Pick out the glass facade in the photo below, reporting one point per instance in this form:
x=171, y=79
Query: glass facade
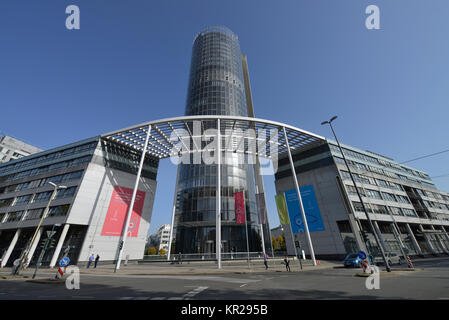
x=216, y=87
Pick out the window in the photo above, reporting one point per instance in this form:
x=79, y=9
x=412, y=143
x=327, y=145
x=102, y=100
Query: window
x=395, y=186
x=379, y=209
x=34, y=214
x=23, y=199
x=66, y=193
x=388, y=196
x=58, y=211
x=43, y=196
x=373, y=194
x=352, y=190
x=345, y=175
x=14, y=216
x=358, y=207
x=6, y=202
x=382, y=183
x=409, y=212
x=396, y=211
x=402, y=199
x=421, y=192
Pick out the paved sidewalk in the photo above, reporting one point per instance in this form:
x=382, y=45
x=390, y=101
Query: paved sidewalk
x=195, y=268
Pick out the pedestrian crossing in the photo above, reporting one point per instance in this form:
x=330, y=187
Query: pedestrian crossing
x=187, y=296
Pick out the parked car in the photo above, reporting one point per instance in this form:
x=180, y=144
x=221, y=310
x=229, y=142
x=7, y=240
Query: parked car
x=392, y=258
x=353, y=260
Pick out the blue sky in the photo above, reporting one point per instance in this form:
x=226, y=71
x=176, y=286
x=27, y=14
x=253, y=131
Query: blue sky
x=308, y=60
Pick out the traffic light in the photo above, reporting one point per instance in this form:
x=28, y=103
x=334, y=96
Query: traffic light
x=297, y=244
x=52, y=243
x=42, y=244
x=365, y=237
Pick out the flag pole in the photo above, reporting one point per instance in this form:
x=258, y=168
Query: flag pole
x=246, y=227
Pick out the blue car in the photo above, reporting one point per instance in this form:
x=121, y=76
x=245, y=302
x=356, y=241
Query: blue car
x=353, y=260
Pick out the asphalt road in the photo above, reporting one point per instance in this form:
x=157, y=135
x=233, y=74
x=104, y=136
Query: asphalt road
x=338, y=283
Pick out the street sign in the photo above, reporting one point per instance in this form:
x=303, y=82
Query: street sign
x=50, y=233
x=362, y=255
x=64, y=262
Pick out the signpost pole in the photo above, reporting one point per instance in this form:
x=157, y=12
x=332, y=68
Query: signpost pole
x=44, y=249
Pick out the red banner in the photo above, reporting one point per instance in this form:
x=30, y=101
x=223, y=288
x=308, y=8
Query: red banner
x=240, y=216
x=118, y=208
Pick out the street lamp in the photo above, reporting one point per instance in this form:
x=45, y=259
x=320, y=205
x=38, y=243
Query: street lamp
x=358, y=193
x=27, y=250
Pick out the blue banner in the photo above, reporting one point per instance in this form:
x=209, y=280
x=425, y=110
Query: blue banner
x=313, y=215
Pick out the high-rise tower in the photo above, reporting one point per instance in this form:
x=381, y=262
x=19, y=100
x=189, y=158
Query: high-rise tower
x=216, y=87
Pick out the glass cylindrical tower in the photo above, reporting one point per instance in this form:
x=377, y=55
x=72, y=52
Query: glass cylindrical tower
x=216, y=87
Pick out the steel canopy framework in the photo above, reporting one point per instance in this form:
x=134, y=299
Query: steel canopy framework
x=160, y=146
x=159, y=139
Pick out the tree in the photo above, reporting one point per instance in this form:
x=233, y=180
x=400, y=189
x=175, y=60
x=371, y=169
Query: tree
x=275, y=243
x=281, y=242
x=162, y=252
x=152, y=250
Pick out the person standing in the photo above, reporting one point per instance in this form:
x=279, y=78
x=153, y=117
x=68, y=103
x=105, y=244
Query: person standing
x=287, y=263
x=265, y=261
x=91, y=259
x=179, y=258
x=97, y=258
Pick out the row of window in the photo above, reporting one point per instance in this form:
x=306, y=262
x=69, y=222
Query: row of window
x=430, y=194
x=38, y=197
x=33, y=172
x=22, y=215
x=40, y=182
x=378, y=195
x=369, y=180
x=380, y=209
x=390, y=174
x=48, y=157
x=378, y=161
x=436, y=205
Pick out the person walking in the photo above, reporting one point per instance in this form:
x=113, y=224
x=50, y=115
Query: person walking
x=265, y=261
x=179, y=258
x=287, y=263
x=91, y=259
x=97, y=258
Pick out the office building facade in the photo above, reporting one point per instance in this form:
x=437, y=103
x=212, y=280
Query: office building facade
x=11, y=149
x=405, y=206
x=88, y=215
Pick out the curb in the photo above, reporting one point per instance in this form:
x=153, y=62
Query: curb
x=2, y=277
x=46, y=281
x=407, y=269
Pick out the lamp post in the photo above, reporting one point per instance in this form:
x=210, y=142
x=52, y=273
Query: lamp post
x=27, y=250
x=358, y=193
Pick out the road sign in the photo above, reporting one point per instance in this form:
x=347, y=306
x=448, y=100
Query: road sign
x=50, y=233
x=362, y=255
x=64, y=262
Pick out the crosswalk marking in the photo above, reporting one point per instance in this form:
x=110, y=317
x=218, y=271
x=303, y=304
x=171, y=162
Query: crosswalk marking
x=186, y=296
x=194, y=292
